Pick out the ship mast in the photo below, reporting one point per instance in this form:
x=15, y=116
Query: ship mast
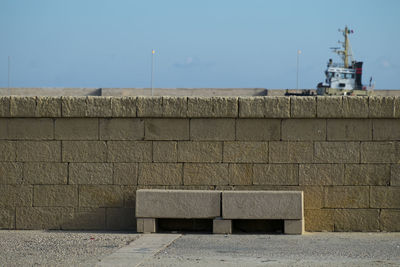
x=345, y=54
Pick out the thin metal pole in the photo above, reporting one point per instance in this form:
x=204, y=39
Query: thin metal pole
x=9, y=71
x=152, y=71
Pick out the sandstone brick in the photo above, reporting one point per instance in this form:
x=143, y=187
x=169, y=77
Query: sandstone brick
x=380, y=152
x=55, y=196
x=76, y=129
x=246, y=152
x=355, y=107
x=86, y=219
x=129, y=194
x=313, y=196
x=129, y=151
x=240, y=174
x=291, y=152
x=160, y=174
x=149, y=106
x=10, y=173
x=205, y=174
x=22, y=106
x=212, y=129
x=381, y=107
x=174, y=107
x=48, y=107
x=385, y=197
x=123, y=106
x=251, y=107
x=346, y=197
x=100, y=196
x=356, y=220
x=397, y=106
x=336, y=152
x=349, y=130
x=4, y=128
x=211, y=107
x=90, y=173
x=7, y=218
x=125, y=173
x=49, y=218
x=98, y=106
x=39, y=151
x=303, y=107
x=330, y=107
x=30, y=129
x=165, y=151
x=276, y=174
x=121, y=129
x=367, y=174
x=303, y=129
x=4, y=106
x=321, y=174
x=121, y=219
x=390, y=220
x=386, y=129
x=84, y=151
x=15, y=195
x=166, y=129
x=319, y=220
x=45, y=173
x=258, y=129
x=199, y=152
x=395, y=175
x=7, y=151
x=73, y=106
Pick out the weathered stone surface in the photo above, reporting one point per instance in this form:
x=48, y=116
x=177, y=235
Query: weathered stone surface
x=313, y=196
x=246, y=152
x=123, y=106
x=303, y=129
x=125, y=173
x=86, y=219
x=7, y=218
x=240, y=174
x=251, y=107
x=4, y=106
x=160, y=174
x=98, y=106
x=390, y=220
x=45, y=173
x=129, y=193
x=221, y=226
x=355, y=107
x=174, y=107
x=165, y=151
x=177, y=204
x=146, y=225
x=166, y=129
x=10, y=173
x=380, y=152
x=30, y=129
x=386, y=129
x=149, y=106
x=381, y=107
x=329, y=107
x=354, y=220
x=294, y=227
x=4, y=128
x=48, y=107
x=121, y=218
x=199, y=152
x=84, y=151
x=205, y=174
x=262, y=205
x=36, y=151
x=42, y=217
x=258, y=129
x=290, y=152
x=100, y=196
x=7, y=151
x=55, y=196
x=121, y=129
x=367, y=174
x=321, y=174
x=303, y=107
x=212, y=129
x=395, y=175
x=349, y=130
x=211, y=107
x=129, y=151
x=90, y=173
x=385, y=197
x=319, y=220
x=73, y=106
x=22, y=106
x=346, y=197
x=336, y=152
x=397, y=107
x=276, y=174
x=15, y=195
x=77, y=129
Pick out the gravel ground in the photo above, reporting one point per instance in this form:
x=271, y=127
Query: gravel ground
x=59, y=248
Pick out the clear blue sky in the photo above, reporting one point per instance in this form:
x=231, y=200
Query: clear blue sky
x=208, y=43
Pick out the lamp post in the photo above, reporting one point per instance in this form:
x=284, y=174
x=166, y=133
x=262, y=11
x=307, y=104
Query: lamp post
x=152, y=70
x=297, y=72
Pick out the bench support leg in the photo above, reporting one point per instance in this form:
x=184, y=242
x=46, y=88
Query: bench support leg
x=294, y=227
x=146, y=225
x=221, y=226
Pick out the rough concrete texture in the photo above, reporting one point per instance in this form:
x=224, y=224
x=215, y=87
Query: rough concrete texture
x=294, y=227
x=177, y=204
x=202, y=107
x=146, y=225
x=221, y=226
x=303, y=107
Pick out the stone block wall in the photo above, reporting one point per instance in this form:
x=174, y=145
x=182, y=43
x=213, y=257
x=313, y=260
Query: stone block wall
x=76, y=162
